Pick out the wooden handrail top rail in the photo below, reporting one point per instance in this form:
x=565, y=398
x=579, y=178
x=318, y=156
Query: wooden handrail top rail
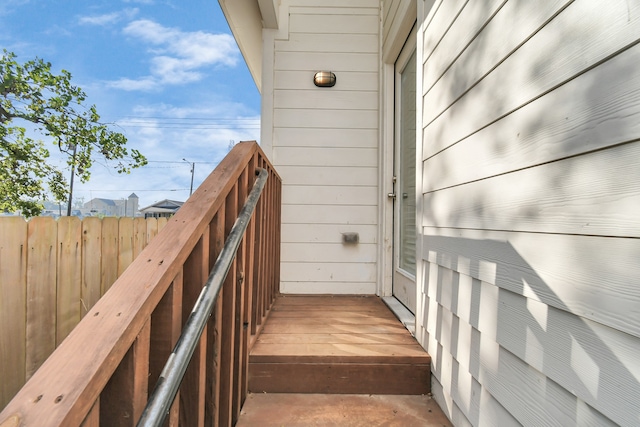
x=66, y=387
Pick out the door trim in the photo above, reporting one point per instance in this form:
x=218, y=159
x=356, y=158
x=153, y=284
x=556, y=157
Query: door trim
x=404, y=285
x=387, y=137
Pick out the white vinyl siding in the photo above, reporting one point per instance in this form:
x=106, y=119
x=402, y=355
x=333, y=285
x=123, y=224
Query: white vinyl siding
x=325, y=145
x=531, y=210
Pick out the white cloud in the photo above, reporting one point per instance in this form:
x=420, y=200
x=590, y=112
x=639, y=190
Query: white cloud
x=143, y=84
x=178, y=56
x=166, y=134
x=174, y=70
x=8, y=6
x=108, y=18
x=195, y=48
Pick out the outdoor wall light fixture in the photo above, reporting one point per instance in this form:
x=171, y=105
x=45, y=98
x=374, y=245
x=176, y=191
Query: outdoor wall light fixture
x=324, y=79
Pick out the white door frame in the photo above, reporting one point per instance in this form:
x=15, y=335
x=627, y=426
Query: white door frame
x=387, y=137
x=404, y=281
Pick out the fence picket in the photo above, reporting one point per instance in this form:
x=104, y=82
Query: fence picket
x=91, y=263
x=109, y=264
x=13, y=303
x=125, y=249
x=69, y=276
x=41, y=291
x=162, y=222
x=139, y=236
x=67, y=265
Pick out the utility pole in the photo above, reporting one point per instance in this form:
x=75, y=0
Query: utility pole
x=73, y=172
x=193, y=169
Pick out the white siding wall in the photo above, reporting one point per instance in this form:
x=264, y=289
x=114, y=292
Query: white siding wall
x=324, y=143
x=531, y=210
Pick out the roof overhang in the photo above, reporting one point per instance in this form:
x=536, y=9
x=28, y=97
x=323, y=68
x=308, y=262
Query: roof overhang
x=159, y=210
x=247, y=18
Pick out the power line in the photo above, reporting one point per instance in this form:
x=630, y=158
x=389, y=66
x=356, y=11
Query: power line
x=187, y=122
x=185, y=126
x=192, y=118
x=182, y=162
x=127, y=190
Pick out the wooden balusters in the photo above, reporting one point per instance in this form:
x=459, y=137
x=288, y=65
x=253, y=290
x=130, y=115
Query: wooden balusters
x=123, y=398
x=214, y=341
x=166, y=323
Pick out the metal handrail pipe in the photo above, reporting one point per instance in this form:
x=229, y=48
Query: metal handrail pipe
x=166, y=388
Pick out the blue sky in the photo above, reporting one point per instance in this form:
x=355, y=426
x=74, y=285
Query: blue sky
x=167, y=73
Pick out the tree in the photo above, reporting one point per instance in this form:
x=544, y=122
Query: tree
x=34, y=100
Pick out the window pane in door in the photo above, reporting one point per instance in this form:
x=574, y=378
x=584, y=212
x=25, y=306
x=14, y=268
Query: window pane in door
x=407, y=166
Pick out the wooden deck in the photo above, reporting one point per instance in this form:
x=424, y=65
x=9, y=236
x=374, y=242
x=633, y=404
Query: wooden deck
x=337, y=344
x=337, y=361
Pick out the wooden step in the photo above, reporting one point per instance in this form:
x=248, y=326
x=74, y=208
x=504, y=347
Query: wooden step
x=337, y=345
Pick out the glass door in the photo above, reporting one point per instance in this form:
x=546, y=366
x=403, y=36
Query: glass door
x=404, y=275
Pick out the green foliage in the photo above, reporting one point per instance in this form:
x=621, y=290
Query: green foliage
x=31, y=96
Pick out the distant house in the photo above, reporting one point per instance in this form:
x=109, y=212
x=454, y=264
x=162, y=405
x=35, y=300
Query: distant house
x=106, y=207
x=164, y=208
x=54, y=209
x=113, y=207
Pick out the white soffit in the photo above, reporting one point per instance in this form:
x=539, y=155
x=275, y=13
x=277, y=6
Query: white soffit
x=269, y=11
x=245, y=20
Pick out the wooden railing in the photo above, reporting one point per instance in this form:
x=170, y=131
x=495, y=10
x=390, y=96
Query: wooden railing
x=102, y=372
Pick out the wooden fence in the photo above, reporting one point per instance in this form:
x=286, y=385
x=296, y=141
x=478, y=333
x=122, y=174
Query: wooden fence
x=51, y=274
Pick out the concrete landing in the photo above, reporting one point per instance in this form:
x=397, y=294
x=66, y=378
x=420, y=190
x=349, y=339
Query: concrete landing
x=344, y=410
